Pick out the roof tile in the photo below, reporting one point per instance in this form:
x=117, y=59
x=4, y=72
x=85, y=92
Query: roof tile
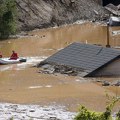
x=84, y=56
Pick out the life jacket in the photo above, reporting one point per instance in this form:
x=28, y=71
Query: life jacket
x=14, y=56
x=0, y=55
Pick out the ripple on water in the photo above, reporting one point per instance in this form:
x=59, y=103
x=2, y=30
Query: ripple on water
x=37, y=87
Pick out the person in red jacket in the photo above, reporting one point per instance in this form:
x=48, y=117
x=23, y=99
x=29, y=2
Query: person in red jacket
x=0, y=55
x=14, y=56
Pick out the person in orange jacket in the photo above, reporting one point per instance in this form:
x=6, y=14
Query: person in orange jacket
x=0, y=55
x=14, y=56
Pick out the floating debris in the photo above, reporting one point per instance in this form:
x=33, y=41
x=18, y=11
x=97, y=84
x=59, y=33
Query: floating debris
x=105, y=83
x=29, y=112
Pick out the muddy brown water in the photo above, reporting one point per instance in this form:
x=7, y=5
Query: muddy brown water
x=21, y=83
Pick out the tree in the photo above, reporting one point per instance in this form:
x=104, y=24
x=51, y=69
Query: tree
x=7, y=18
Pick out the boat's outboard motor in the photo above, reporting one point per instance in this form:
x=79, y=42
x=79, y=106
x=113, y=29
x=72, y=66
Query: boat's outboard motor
x=23, y=60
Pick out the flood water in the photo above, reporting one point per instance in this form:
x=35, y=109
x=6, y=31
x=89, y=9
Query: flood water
x=21, y=83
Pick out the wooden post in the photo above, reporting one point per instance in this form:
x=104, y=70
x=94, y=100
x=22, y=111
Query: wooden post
x=108, y=40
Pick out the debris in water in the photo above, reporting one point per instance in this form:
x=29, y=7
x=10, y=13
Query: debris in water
x=28, y=112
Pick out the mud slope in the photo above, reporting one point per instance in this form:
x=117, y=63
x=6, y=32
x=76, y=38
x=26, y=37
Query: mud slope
x=45, y=13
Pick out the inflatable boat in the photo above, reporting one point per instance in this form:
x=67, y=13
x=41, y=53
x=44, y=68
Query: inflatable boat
x=4, y=61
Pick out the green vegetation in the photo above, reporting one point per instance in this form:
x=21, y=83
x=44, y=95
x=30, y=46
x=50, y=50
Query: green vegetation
x=85, y=114
x=118, y=115
x=7, y=18
x=11, y=118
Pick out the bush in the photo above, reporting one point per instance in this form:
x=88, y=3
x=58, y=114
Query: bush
x=118, y=115
x=85, y=114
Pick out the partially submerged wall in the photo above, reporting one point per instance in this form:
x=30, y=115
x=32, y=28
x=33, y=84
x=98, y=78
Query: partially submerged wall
x=112, y=69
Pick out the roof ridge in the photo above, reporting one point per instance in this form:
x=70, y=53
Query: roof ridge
x=103, y=47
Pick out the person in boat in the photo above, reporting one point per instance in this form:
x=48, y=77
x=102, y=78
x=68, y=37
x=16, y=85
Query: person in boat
x=14, y=56
x=0, y=55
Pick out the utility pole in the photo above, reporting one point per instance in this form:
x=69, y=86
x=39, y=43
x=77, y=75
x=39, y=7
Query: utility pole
x=108, y=38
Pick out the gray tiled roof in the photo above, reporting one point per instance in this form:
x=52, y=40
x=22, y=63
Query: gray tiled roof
x=84, y=56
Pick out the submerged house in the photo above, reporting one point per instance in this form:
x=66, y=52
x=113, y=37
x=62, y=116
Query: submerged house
x=88, y=60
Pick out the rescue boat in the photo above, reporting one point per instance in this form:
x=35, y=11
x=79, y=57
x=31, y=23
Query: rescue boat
x=4, y=61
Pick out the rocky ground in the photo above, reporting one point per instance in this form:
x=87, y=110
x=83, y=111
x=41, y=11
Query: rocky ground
x=46, y=13
x=34, y=112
